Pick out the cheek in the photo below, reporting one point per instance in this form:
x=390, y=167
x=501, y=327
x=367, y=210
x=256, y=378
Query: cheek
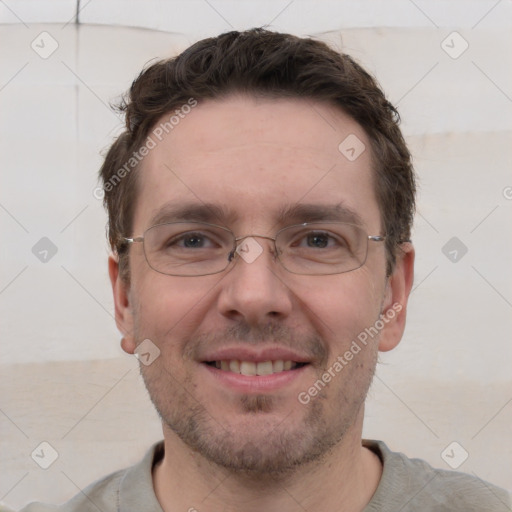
x=341, y=307
x=170, y=308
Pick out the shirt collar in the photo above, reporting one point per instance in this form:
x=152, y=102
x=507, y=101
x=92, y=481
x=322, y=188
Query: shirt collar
x=136, y=490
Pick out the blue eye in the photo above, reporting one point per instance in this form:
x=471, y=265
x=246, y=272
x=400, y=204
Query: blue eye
x=190, y=240
x=319, y=240
x=193, y=240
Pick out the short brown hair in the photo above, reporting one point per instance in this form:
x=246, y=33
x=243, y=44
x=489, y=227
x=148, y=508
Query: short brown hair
x=259, y=62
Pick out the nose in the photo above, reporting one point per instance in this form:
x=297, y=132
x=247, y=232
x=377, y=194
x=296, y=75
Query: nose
x=255, y=288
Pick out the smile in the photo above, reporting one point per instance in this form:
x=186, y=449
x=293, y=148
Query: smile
x=251, y=368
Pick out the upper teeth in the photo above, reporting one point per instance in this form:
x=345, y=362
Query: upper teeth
x=252, y=368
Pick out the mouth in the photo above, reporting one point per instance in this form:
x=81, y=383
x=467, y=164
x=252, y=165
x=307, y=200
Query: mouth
x=254, y=368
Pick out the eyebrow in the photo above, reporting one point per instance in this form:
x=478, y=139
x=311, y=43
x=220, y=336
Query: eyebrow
x=196, y=212
x=299, y=213
x=286, y=215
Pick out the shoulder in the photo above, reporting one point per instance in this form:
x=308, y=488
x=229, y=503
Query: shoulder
x=121, y=490
x=101, y=495
x=413, y=484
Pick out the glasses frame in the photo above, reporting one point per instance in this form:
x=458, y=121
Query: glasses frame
x=236, y=240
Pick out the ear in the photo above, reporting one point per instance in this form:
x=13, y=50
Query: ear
x=123, y=306
x=394, y=307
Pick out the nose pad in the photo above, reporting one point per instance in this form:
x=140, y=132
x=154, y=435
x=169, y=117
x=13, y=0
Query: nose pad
x=249, y=249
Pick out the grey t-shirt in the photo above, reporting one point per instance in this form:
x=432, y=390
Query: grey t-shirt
x=407, y=485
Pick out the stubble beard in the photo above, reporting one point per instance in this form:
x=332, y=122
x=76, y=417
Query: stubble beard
x=270, y=448
x=263, y=444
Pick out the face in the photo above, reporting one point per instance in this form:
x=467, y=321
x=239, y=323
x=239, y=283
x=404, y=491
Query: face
x=259, y=165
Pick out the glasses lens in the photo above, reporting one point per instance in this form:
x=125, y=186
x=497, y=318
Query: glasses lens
x=322, y=248
x=188, y=249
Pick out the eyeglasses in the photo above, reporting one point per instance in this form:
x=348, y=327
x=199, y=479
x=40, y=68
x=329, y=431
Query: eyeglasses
x=200, y=249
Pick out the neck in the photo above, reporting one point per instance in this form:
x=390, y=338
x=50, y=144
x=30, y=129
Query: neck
x=344, y=480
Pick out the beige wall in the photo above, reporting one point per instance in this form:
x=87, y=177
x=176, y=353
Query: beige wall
x=63, y=377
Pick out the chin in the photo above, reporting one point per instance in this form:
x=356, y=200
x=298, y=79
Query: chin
x=259, y=443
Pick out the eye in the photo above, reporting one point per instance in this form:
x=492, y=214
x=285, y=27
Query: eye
x=191, y=240
x=320, y=240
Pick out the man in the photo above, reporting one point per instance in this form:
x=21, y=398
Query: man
x=260, y=207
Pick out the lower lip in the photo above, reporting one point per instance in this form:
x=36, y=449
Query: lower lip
x=255, y=383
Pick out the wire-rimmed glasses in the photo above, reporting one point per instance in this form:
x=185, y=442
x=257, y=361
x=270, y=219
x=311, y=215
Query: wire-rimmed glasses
x=200, y=249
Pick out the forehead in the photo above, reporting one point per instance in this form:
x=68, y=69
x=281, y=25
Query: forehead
x=253, y=161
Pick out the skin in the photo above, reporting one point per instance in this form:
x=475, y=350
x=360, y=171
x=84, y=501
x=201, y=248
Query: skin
x=226, y=450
